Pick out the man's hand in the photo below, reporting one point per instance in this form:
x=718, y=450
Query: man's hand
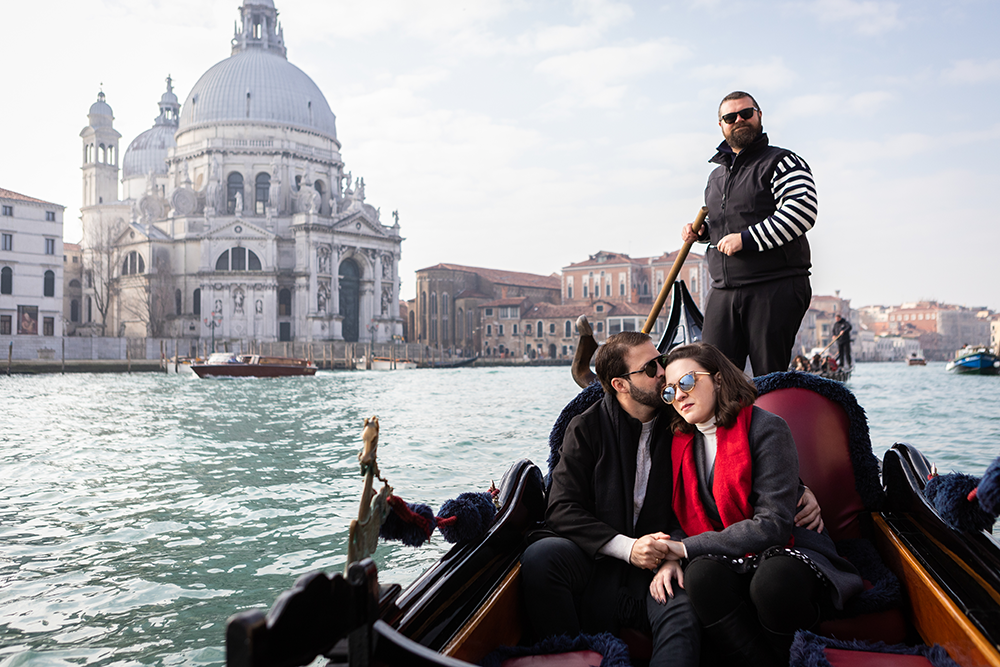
x=809, y=516
x=688, y=235
x=661, y=582
x=650, y=550
x=731, y=244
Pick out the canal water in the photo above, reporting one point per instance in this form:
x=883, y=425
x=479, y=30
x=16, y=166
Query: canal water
x=137, y=512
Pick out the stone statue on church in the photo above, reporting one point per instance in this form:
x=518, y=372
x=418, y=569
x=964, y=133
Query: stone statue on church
x=238, y=207
x=213, y=193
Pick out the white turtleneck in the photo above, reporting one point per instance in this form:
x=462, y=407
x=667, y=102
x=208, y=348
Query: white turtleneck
x=708, y=429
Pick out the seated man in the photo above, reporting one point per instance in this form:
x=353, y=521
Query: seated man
x=609, y=508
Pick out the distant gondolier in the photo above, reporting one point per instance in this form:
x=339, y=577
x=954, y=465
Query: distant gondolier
x=761, y=202
x=842, y=333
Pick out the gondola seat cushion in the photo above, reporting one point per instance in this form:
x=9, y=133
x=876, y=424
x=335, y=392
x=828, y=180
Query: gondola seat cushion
x=810, y=650
x=604, y=650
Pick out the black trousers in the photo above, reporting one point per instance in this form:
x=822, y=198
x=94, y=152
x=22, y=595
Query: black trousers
x=556, y=577
x=758, y=320
x=844, y=353
x=783, y=590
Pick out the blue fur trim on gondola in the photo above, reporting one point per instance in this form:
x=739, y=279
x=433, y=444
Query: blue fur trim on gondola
x=948, y=494
x=397, y=529
x=473, y=514
x=866, y=473
x=592, y=394
x=885, y=592
x=989, y=489
x=613, y=650
x=808, y=650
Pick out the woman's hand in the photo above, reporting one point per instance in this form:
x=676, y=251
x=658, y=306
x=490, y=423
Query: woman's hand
x=809, y=515
x=661, y=585
x=676, y=548
x=650, y=550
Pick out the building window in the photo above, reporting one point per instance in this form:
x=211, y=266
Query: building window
x=599, y=308
x=262, y=185
x=50, y=216
x=234, y=185
x=434, y=303
x=600, y=327
x=284, y=302
x=90, y=310
x=569, y=292
x=133, y=264
x=621, y=289
x=8, y=210
x=49, y=284
x=607, y=290
x=489, y=329
x=196, y=302
x=238, y=259
x=48, y=326
x=538, y=331
x=569, y=329
x=6, y=280
x=50, y=246
x=5, y=325
x=584, y=291
x=500, y=330
x=515, y=328
x=8, y=241
x=178, y=302
x=489, y=312
x=74, y=310
x=552, y=328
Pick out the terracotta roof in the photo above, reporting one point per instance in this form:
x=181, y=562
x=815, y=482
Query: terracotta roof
x=572, y=311
x=500, y=277
x=510, y=301
x=603, y=258
x=471, y=294
x=10, y=194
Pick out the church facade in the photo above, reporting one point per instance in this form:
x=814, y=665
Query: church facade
x=237, y=216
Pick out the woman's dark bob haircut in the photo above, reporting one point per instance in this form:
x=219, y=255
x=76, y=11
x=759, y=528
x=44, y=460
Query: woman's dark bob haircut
x=734, y=390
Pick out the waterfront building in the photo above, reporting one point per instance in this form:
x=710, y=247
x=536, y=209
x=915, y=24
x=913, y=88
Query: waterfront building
x=31, y=272
x=618, y=278
x=815, y=331
x=73, y=304
x=237, y=215
x=450, y=298
x=940, y=328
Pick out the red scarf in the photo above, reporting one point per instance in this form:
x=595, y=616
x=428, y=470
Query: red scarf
x=731, y=483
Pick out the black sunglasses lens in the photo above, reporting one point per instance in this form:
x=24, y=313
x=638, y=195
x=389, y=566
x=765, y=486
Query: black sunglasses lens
x=745, y=114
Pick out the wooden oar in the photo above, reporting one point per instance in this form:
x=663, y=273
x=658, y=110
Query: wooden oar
x=587, y=345
x=674, y=272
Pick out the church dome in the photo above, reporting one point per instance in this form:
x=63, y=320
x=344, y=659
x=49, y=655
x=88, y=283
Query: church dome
x=148, y=151
x=257, y=85
x=100, y=114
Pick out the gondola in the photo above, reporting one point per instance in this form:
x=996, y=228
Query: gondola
x=929, y=582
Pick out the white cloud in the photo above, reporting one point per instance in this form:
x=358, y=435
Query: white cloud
x=870, y=17
x=868, y=103
x=973, y=71
x=770, y=74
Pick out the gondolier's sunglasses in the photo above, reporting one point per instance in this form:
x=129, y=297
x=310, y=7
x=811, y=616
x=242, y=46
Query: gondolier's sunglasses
x=745, y=114
x=685, y=384
x=650, y=367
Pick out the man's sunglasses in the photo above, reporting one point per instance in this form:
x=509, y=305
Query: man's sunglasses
x=745, y=114
x=685, y=384
x=650, y=368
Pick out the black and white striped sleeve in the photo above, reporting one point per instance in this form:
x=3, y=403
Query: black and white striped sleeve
x=795, y=195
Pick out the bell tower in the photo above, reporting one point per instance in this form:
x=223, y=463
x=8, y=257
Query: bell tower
x=100, y=155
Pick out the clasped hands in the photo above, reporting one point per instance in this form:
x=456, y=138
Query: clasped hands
x=649, y=551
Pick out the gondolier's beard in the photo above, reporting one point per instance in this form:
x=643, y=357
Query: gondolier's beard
x=743, y=135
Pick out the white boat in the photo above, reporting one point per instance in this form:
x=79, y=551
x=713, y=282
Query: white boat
x=384, y=364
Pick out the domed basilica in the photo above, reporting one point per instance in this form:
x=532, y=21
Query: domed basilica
x=237, y=216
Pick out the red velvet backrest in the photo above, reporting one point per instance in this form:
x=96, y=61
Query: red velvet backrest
x=820, y=429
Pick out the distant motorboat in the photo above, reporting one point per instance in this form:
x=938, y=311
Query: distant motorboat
x=384, y=364
x=916, y=360
x=975, y=359
x=228, y=364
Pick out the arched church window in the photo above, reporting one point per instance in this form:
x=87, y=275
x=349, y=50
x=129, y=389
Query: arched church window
x=434, y=303
x=262, y=185
x=49, y=284
x=234, y=186
x=196, y=302
x=133, y=264
x=238, y=259
x=178, y=302
x=111, y=154
x=90, y=310
x=284, y=302
x=6, y=280
x=75, y=284
x=101, y=153
x=74, y=310
x=88, y=153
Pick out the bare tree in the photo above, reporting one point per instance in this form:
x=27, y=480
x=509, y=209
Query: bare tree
x=100, y=264
x=148, y=297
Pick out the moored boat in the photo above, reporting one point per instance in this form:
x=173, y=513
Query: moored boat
x=975, y=359
x=226, y=364
x=916, y=360
x=384, y=364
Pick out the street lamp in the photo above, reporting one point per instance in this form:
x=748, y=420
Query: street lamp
x=212, y=323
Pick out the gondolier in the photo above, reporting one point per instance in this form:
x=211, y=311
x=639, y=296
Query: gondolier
x=842, y=334
x=761, y=201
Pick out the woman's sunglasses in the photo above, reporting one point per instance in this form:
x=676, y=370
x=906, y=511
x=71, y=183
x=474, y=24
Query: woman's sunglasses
x=650, y=368
x=745, y=114
x=685, y=384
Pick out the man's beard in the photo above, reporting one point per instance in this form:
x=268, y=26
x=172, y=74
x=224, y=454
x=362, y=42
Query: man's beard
x=650, y=399
x=742, y=136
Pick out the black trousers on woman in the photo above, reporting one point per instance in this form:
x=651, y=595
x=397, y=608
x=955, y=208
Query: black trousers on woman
x=753, y=615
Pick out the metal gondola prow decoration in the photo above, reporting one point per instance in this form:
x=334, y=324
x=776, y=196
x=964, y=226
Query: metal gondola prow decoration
x=685, y=321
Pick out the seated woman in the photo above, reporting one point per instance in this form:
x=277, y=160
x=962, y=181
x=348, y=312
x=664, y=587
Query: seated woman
x=752, y=577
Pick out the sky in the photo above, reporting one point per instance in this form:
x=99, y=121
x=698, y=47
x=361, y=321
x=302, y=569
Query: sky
x=529, y=135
